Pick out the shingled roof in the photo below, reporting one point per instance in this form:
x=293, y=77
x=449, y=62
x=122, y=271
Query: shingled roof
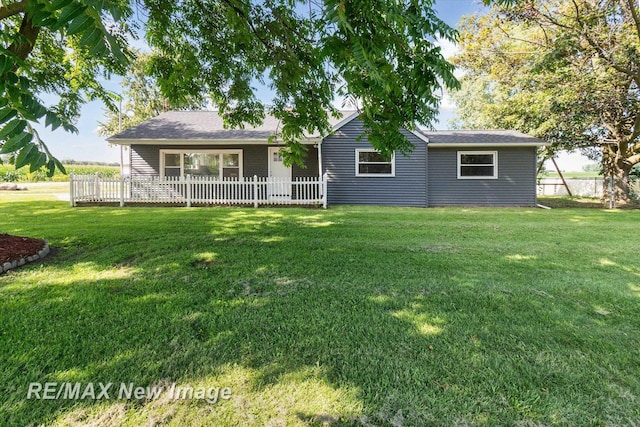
x=201, y=125
x=207, y=126
x=480, y=138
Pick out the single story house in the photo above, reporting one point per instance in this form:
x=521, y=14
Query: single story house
x=457, y=167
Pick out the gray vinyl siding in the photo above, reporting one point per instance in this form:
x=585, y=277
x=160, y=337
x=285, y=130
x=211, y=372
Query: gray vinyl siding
x=515, y=186
x=407, y=188
x=145, y=159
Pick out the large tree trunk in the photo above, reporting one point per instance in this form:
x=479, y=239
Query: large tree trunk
x=616, y=170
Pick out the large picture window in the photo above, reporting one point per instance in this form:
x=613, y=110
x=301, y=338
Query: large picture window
x=372, y=163
x=477, y=164
x=215, y=163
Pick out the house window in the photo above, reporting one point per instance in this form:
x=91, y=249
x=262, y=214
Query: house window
x=477, y=164
x=372, y=163
x=215, y=163
x=172, y=164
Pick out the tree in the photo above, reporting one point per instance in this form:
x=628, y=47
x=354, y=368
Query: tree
x=381, y=53
x=565, y=71
x=378, y=52
x=60, y=48
x=142, y=99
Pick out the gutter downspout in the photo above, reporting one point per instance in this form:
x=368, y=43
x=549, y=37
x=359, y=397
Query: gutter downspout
x=426, y=174
x=320, y=171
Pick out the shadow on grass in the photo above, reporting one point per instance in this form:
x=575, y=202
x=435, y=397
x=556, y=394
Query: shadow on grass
x=305, y=324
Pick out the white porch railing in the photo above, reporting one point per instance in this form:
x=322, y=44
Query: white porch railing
x=198, y=190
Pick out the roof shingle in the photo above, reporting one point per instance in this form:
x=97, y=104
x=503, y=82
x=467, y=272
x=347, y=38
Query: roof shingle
x=201, y=125
x=209, y=126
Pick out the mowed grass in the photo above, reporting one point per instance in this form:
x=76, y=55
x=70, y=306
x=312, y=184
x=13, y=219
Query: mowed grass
x=349, y=316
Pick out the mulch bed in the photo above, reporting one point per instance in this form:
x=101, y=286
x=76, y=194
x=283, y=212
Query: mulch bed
x=14, y=248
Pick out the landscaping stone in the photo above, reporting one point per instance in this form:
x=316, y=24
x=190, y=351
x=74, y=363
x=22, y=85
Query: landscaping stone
x=10, y=186
x=16, y=251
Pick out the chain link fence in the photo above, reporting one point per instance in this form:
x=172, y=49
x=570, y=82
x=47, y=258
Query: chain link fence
x=581, y=187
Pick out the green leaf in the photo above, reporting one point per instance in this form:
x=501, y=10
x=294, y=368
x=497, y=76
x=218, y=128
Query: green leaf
x=5, y=64
x=99, y=48
x=52, y=120
x=91, y=37
x=40, y=15
x=68, y=13
x=116, y=49
x=51, y=168
x=7, y=113
x=28, y=154
x=39, y=162
x=59, y=4
x=16, y=142
x=80, y=24
x=13, y=127
x=68, y=127
x=24, y=83
x=12, y=78
x=59, y=166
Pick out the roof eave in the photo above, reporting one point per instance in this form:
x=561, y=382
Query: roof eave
x=486, y=144
x=236, y=141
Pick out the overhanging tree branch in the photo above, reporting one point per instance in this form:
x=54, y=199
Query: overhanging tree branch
x=633, y=160
x=241, y=13
x=583, y=28
x=631, y=4
x=636, y=128
x=12, y=9
x=23, y=47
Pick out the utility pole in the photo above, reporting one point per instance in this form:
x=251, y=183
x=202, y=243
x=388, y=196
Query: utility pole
x=120, y=130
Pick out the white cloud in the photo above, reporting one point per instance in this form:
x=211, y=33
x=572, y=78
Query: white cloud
x=448, y=48
x=446, y=103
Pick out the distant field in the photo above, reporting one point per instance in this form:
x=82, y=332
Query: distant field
x=8, y=173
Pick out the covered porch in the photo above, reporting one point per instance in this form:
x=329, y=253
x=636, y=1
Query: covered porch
x=197, y=190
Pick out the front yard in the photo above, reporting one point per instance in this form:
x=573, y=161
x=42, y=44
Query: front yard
x=350, y=316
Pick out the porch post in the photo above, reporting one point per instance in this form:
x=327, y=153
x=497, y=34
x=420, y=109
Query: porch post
x=121, y=189
x=255, y=191
x=188, y=184
x=324, y=191
x=96, y=186
x=72, y=193
x=320, y=159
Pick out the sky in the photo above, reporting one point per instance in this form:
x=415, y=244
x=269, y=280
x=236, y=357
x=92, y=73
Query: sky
x=88, y=145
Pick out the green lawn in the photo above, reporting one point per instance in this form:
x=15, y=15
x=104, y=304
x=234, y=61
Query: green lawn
x=350, y=316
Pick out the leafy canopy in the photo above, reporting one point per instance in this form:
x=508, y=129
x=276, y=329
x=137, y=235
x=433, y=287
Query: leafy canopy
x=380, y=53
x=565, y=71
x=63, y=48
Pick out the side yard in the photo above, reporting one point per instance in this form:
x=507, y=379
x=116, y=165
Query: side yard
x=349, y=316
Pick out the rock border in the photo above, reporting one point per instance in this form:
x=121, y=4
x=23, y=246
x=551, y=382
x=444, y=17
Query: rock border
x=22, y=261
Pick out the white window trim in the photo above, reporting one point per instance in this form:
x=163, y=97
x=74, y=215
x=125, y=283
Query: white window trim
x=494, y=164
x=379, y=175
x=183, y=151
